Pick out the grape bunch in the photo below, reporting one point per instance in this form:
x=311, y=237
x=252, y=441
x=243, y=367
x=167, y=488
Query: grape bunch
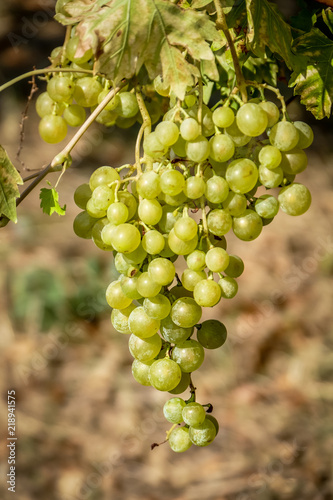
x=204, y=173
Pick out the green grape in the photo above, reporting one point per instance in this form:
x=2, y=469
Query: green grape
x=295, y=199
x=198, y=150
x=52, y=129
x=190, y=278
x=211, y=334
x=172, y=410
x=207, y=119
x=83, y=224
x=189, y=355
x=174, y=333
x=56, y=54
x=146, y=286
x=61, y=88
x=47, y=106
x=235, y=204
x=207, y=293
x=294, y=161
x=86, y=91
x=119, y=319
x=93, y=210
x=270, y=157
x=305, y=135
x=74, y=115
x=129, y=285
x=120, y=263
x=106, y=118
x=204, y=434
x=96, y=235
x=186, y=228
x=272, y=112
x=236, y=135
x=217, y=259
x=153, y=242
x=140, y=371
x=216, y=241
x=219, y=168
x=125, y=123
x=142, y=325
x=148, y=186
x=129, y=200
x=179, y=439
x=270, y=178
x=178, y=292
x=214, y=421
x=137, y=256
x=103, y=176
x=179, y=148
x=150, y=211
x=115, y=296
x=251, y=119
x=242, y=175
x=168, y=219
x=157, y=307
x=223, y=117
x=175, y=201
x=229, y=287
x=165, y=374
x=189, y=129
x=248, y=226
x=185, y=312
x=81, y=195
x=102, y=197
x=208, y=172
x=128, y=105
x=153, y=147
x=125, y=238
x=167, y=133
x=196, y=260
x=190, y=100
x=235, y=267
x=118, y=212
x=160, y=87
x=222, y=148
x=180, y=247
x=219, y=221
x=284, y=136
x=106, y=233
x=183, y=384
x=266, y=206
x=112, y=104
x=162, y=271
x=217, y=189
x=193, y=414
x=71, y=50
x=145, y=349
x=77, y=67
x=172, y=182
x=167, y=252
x=195, y=187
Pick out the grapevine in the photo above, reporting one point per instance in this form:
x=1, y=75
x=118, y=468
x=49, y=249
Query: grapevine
x=214, y=155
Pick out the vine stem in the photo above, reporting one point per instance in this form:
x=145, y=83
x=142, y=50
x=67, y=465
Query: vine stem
x=200, y=104
x=221, y=23
x=144, y=130
x=275, y=91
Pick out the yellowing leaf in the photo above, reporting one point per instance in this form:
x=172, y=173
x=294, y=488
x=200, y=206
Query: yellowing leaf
x=9, y=179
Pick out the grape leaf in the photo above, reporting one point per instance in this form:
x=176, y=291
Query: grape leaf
x=9, y=179
x=127, y=34
x=50, y=202
x=266, y=28
x=328, y=18
x=198, y=4
x=315, y=83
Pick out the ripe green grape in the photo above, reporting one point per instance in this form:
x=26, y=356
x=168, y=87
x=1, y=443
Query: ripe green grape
x=270, y=157
x=217, y=189
x=160, y=86
x=211, y=334
x=174, y=333
x=102, y=197
x=162, y=271
x=223, y=117
x=284, y=136
x=270, y=178
x=142, y=325
x=47, y=106
x=153, y=147
x=217, y=259
x=267, y=206
x=96, y=235
x=71, y=50
x=179, y=148
x=207, y=119
x=153, y=242
x=189, y=355
x=103, y=175
x=157, y=307
x=140, y=371
x=190, y=278
x=129, y=284
x=86, y=91
x=198, y=150
x=112, y=104
x=174, y=201
x=137, y=256
x=251, y=119
x=242, y=175
x=115, y=296
x=183, y=384
x=196, y=260
x=185, y=312
x=229, y=287
x=235, y=267
x=172, y=410
x=118, y=212
x=125, y=238
x=236, y=135
x=93, y=210
x=185, y=228
x=107, y=118
x=129, y=200
x=52, y=129
x=193, y=414
x=207, y=293
x=148, y=185
x=146, y=286
x=119, y=319
x=107, y=233
x=248, y=226
x=295, y=199
x=214, y=421
x=74, y=115
x=167, y=133
x=235, y=204
x=172, y=182
x=179, y=439
x=150, y=211
x=294, y=161
x=128, y=105
x=81, y=195
x=165, y=374
x=219, y=221
x=189, y=129
x=83, y=224
x=204, y=434
x=222, y=148
x=305, y=135
x=195, y=187
x=272, y=112
x=180, y=247
x=145, y=349
x=61, y=88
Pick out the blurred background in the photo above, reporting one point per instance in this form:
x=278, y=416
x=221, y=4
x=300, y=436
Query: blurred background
x=84, y=426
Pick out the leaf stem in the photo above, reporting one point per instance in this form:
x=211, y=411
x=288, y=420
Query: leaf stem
x=200, y=114
x=145, y=129
x=221, y=23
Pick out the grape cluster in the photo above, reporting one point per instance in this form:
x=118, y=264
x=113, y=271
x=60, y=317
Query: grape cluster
x=198, y=179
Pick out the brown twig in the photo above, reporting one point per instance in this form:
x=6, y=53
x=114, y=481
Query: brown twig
x=24, y=117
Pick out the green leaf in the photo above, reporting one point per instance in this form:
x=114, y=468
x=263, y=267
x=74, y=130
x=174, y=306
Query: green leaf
x=50, y=202
x=237, y=15
x=328, y=18
x=198, y=4
x=266, y=28
x=261, y=70
x=315, y=83
x=127, y=34
x=9, y=179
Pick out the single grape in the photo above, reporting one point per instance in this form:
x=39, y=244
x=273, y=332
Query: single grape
x=214, y=421
x=103, y=175
x=140, y=371
x=198, y=150
x=47, y=106
x=125, y=238
x=107, y=118
x=115, y=296
x=148, y=186
x=172, y=182
x=211, y=334
x=118, y=212
x=52, y=129
x=142, y=325
x=150, y=212
x=294, y=161
x=270, y=178
x=172, y=410
x=223, y=117
x=129, y=200
x=167, y=252
x=183, y=384
x=179, y=439
x=102, y=197
x=219, y=221
x=284, y=135
x=186, y=228
x=229, y=287
x=112, y=104
x=168, y=219
x=174, y=201
x=272, y=112
x=251, y=119
x=242, y=175
x=217, y=259
x=295, y=199
x=193, y=414
x=153, y=147
x=248, y=226
x=157, y=307
x=207, y=293
x=83, y=224
x=160, y=86
x=204, y=434
x=195, y=187
x=235, y=267
x=165, y=374
x=207, y=119
x=162, y=271
x=119, y=319
x=236, y=135
x=81, y=195
x=235, y=204
x=189, y=355
x=305, y=133
x=145, y=349
x=93, y=210
x=267, y=206
x=129, y=285
x=124, y=123
x=222, y=148
x=153, y=242
x=61, y=88
x=196, y=260
x=167, y=133
x=217, y=189
x=137, y=256
x=190, y=278
x=270, y=157
x=174, y=333
x=185, y=312
x=180, y=247
x=74, y=115
x=189, y=129
x=146, y=286
x=128, y=105
x=96, y=235
x=86, y=91
x=106, y=233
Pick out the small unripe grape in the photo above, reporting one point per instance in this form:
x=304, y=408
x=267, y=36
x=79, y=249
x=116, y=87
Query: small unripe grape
x=305, y=133
x=86, y=91
x=119, y=319
x=128, y=105
x=196, y=260
x=235, y=267
x=145, y=349
x=115, y=296
x=242, y=175
x=229, y=287
x=270, y=157
x=148, y=186
x=267, y=206
x=204, y=434
x=140, y=371
x=165, y=374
